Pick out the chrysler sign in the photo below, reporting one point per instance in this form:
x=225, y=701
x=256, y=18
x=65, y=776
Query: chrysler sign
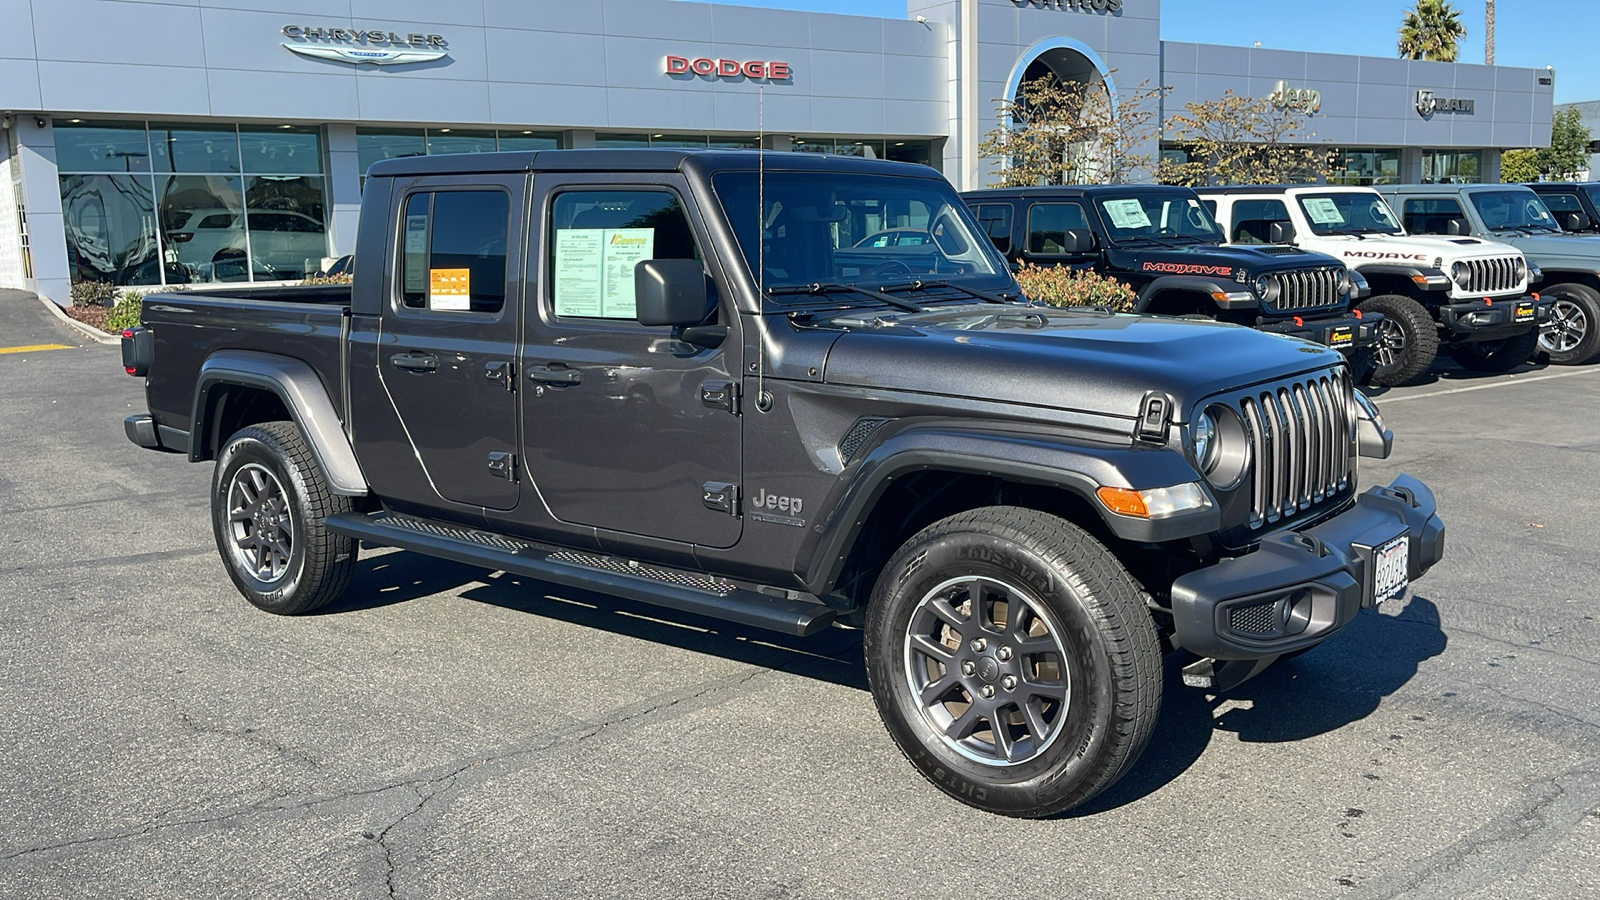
x=362, y=45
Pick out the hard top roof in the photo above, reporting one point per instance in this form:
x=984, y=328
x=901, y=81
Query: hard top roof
x=1448, y=188
x=1068, y=190
x=1281, y=188
x=641, y=160
x=1559, y=185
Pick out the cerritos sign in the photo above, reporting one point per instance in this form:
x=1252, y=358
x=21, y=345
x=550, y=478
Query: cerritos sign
x=1086, y=6
x=729, y=69
x=361, y=45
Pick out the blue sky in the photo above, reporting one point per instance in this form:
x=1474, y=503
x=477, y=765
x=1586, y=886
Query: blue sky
x=1533, y=33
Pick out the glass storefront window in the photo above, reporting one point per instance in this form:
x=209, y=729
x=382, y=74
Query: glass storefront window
x=284, y=150
x=910, y=151
x=1452, y=166
x=101, y=147
x=175, y=148
x=1365, y=167
x=203, y=228
x=111, y=228
x=287, y=235
x=373, y=146
x=682, y=141
x=442, y=141
x=622, y=140
x=529, y=140
x=735, y=143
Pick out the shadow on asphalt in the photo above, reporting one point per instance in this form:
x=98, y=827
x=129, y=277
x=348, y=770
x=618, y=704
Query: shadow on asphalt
x=1445, y=370
x=1341, y=681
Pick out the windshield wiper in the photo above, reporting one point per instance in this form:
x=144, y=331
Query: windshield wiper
x=831, y=287
x=985, y=296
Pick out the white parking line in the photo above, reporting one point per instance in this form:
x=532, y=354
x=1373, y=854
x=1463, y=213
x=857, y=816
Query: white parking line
x=1512, y=380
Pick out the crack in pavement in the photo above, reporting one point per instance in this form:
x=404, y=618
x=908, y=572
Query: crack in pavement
x=418, y=783
x=1502, y=848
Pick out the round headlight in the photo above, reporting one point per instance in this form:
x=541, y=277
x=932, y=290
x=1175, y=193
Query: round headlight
x=1460, y=273
x=1266, y=287
x=1520, y=269
x=1205, y=442
x=1221, y=446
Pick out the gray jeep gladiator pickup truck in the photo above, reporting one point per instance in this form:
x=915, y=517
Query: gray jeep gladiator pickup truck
x=677, y=377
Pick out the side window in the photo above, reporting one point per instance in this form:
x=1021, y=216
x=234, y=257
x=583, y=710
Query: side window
x=453, y=251
x=1211, y=206
x=600, y=236
x=1048, y=224
x=995, y=219
x=1431, y=215
x=1562, y=202
x=1252, y=220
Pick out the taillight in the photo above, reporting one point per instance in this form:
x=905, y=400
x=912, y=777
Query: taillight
x=137, y=347
x=180, y=237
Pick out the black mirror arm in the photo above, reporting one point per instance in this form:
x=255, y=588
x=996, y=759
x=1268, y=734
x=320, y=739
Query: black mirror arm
x=707, y=336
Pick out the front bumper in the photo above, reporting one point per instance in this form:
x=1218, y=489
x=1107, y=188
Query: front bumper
x=1492, y=320
x=1300, y=587
x=1345, y=332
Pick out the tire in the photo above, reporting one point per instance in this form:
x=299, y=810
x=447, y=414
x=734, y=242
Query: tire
x=1496, y=356
x=1075, y=671
x=1573, y=334
x=268, y=483
x=1408, y=340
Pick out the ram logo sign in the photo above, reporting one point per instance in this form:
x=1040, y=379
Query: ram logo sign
x=1428, y=104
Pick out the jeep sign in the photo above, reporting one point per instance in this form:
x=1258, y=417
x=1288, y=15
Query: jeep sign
x=1305, y=100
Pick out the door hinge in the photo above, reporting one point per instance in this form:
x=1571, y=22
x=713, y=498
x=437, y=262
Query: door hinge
x=720, y=395
x=1155, y=418
x=503, y=465
x=503, y=372
x=720, y=496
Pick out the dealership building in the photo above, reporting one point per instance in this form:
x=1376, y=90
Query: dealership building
x=197, y=141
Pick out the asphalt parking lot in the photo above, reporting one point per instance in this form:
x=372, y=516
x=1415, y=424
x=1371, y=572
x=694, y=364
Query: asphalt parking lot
x=445, y=733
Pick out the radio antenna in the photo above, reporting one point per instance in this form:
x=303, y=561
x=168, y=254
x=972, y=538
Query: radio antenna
x=761, y=248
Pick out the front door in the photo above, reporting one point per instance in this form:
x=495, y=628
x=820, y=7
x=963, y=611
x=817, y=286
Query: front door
x=450, y=333
x=624, y=428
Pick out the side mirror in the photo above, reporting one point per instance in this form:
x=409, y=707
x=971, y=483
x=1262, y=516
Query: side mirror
x=1572, y=221
x=670, y=292
x=1077, y=240
x=1281, y=233
x=1457, y=228
x=1372, y=439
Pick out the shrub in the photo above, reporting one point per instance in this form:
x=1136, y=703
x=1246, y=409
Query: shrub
x=341, y=278
x=94, y=293
x=125, y=314
x=1062, y=286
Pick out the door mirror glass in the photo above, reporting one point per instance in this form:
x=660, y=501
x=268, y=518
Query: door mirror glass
x=1077, y=240
x=671, y=292
x=1281, y=233
x=1457, y=227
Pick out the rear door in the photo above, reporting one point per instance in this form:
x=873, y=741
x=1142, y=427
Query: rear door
x=450, y=331
x=627, y=428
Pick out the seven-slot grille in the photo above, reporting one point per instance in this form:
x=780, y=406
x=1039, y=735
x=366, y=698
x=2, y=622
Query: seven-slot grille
x=1302, y=442
x=1494, y=275
x=1306, y=288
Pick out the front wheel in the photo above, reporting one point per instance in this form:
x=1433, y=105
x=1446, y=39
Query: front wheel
x=1496, y=356
x=1572, y=335
x=268, y=502
x=1013, y=661
x=1408, y=340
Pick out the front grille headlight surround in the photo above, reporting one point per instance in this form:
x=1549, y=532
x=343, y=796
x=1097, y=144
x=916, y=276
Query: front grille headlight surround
x=1266, y=288
x=1519, y=270
x=1221, y=447
x=1461, y=274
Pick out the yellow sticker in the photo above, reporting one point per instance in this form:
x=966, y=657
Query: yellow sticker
x=450, y=289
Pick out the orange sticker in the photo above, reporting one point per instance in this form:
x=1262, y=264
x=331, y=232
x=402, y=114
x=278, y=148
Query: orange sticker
x=450, y=289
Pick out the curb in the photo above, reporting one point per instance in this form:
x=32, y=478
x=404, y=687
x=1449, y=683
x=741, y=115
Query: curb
x=93, y=334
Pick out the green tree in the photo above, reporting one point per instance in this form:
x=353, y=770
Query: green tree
x=1242, y=140
x=1430, y=31
x=1068, y=132
x=1567, y=155
x=1517, y=166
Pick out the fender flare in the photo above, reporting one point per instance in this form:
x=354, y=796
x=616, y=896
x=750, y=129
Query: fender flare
x=1078, y=467
x=303, y=394
x=1191, y=284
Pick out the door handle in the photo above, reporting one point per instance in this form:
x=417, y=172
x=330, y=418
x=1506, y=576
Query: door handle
x=557, y=375
x=415, y=363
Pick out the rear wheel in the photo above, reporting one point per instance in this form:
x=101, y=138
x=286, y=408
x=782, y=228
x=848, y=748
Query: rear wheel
x=1013, y=661
x=1572, y=335
x=268, y=502
x=1496, y=356
x=1407, y=343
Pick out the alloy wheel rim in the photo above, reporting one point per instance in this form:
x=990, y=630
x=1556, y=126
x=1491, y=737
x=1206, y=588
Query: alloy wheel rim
x=260, y=523
x=1391, y=343
x=1566, y=329
x=986, y=671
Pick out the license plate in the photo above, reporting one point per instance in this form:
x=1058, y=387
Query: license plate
x=1391, y=569
x=1343, y=334
x=1524, y=312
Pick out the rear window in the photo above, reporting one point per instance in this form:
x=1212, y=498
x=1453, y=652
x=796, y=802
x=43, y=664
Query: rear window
x=453, y=256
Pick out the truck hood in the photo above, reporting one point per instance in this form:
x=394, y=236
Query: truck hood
x=1411, y=250
x=1214, y=260
x=1581, y=251
x=1083, y=360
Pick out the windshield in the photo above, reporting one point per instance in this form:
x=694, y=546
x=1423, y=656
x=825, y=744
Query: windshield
x=1157, y=216
x=1512, y=209
x=1349, y=212
x=852, y=229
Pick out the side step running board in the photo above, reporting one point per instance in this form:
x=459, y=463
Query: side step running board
x=685, y=591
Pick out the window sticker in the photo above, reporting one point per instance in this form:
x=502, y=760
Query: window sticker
x=450, y=289
x=594, y=270
x=416, y=247
x=1323, y=211
x=1127, y=213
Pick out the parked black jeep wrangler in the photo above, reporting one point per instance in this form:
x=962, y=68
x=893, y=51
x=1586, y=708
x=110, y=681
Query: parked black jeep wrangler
x=1164, y=243
x=1575, y=205
x=690, y=379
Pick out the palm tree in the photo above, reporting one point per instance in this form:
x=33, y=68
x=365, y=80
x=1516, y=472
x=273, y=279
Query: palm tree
x=1430, y=30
